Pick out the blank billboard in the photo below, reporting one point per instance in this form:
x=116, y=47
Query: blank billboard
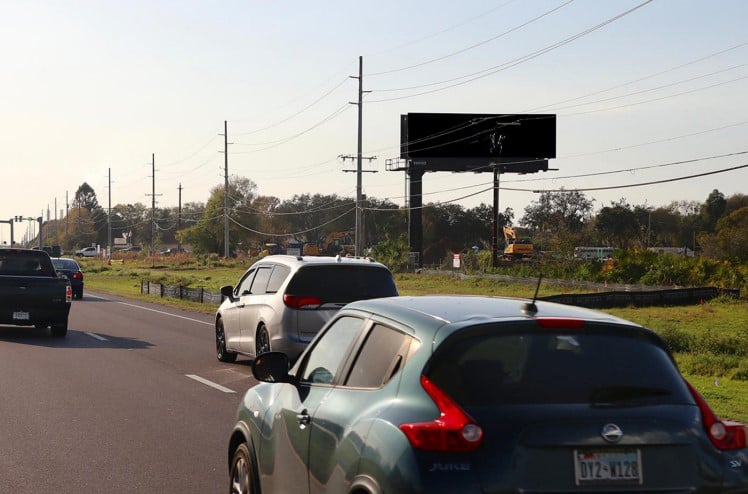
x=477, y=137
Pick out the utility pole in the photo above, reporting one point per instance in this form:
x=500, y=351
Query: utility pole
x=359, y=158
x=497, y=171
x=40, y=219
x=179, y=218
x=109, y=217
x=360, y=223
x=67, y=215
x=153, y=209
x=225, y=190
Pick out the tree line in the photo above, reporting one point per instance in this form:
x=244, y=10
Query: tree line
x=556, y=222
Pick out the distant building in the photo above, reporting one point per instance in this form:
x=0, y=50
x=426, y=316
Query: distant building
x=589, y=253
x=675, y=251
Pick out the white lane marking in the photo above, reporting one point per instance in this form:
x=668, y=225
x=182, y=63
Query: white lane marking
x=157, y=311
x=210, y=383
x=94, y=335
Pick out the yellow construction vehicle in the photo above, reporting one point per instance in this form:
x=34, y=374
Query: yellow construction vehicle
x=340, y=243
x=332, y=244
x=517, y=248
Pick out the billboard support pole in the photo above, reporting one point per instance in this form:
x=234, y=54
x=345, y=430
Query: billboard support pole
x=495, y=236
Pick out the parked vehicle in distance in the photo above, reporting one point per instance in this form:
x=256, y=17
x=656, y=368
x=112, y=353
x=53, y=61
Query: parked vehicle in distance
x=31, y=292
x=281, y=302
x=172, y=251
x=86, y=252
x=72, y=271
x=443, y=394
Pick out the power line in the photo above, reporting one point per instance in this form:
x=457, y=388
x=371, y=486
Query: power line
x=278, y=142
x=629, y=170
x=450, y=28
x=290, y=117
x=625, y=170
x=649, y=90
x=506, y=65
x=292, y=233
x=668, y=180
x=473, y=46
x=657, y=99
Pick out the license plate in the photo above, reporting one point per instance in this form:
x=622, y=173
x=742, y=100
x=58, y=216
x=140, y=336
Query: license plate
x=608, y=467
x=20, y=316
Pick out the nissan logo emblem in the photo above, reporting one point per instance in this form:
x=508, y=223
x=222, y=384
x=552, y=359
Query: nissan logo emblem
x=611, y=433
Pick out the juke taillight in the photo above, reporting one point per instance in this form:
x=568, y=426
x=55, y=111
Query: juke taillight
x=723, y=434
x=453, y=431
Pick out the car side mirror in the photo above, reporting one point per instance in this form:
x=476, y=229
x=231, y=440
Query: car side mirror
x=228, y=292
x=271, y=367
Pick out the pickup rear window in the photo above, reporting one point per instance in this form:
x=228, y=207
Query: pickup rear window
x=25, y=263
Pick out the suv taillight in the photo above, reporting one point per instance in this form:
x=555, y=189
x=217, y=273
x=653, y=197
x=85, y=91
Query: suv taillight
x=723, y=434
x=68, y=293
x=453, y=431
x=301, y=301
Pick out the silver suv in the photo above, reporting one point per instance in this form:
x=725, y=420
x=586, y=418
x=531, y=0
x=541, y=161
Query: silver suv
x=281, y=302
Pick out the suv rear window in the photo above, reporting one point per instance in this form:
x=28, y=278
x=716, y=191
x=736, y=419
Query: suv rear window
x=599, y=368
x=342, y=283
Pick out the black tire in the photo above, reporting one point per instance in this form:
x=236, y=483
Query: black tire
x=243, y=475
x=221, y=352
x=262, y=341
x=59, y=330
x=78, y=294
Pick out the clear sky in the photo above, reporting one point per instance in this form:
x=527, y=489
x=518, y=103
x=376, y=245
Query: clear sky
x=93, y=86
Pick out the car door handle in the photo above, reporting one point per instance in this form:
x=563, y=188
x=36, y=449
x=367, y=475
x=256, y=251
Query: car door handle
x=304, y=418
x=239, y=306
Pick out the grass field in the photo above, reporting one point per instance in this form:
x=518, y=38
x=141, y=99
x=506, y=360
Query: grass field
x=709, y=341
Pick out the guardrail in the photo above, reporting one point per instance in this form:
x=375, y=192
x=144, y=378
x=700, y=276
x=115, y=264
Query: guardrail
x=199, y=295
x=677, y=296
x=606, y=297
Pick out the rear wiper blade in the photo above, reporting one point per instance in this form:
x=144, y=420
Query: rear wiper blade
x=617, y=394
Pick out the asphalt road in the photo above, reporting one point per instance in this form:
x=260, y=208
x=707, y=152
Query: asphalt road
x=132, y=400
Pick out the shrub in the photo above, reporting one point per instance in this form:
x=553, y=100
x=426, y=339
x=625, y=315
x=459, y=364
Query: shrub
x=711, y=365
x=678, y=341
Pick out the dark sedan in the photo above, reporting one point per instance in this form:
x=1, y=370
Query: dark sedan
x=72, y=271
x=485, y=395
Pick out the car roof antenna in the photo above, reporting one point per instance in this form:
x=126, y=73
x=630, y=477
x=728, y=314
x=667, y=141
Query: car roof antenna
x=530, y=308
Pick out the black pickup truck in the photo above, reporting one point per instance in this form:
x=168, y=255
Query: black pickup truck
x=31, y=292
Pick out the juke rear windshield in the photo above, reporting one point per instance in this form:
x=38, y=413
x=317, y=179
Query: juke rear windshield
x=600, y=368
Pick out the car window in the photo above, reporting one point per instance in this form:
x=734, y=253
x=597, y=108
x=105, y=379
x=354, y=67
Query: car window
x=243, y=287
x=280, y=273
x=522, y=368
x=342, y=283
x=65, y=264
x=324, y=360
x=260, y=282
x=381, y=357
